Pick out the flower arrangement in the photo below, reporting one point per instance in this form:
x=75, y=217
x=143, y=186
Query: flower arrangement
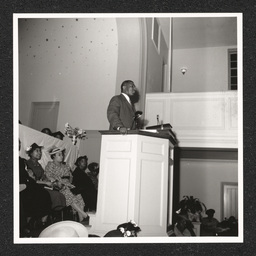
x=74, y=133
x=191, y=207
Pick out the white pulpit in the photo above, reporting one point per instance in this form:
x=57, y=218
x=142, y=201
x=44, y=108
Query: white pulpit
x=135, y=182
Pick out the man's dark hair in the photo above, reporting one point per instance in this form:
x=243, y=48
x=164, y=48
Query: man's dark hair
x=126, y=82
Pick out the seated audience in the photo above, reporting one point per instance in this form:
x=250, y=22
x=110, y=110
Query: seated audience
x=60, y=174
x=94, y=172
x=182, y=227
x=84, y=184
x=35, y=154
x=47, y=131
x=228, y=227
x=35, y=202
x=209, y=224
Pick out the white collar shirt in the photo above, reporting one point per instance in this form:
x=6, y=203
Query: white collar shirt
x=127, y=97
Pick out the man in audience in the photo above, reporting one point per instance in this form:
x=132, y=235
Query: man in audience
x=209, y=224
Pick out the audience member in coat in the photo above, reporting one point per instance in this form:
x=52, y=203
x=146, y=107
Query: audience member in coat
x=35, y=201
x=209, y=225
x=84, y=184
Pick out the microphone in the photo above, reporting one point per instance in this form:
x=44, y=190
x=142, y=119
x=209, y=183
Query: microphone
x=138, y=114
x=157, y=119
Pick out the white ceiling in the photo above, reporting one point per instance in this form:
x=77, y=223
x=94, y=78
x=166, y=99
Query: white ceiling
x=204, y=32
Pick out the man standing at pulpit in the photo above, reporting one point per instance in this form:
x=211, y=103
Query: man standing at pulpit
x=121, y=110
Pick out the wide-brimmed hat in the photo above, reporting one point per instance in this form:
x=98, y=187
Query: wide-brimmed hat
x=54, y=150
x=65, y=229
x=31, y=148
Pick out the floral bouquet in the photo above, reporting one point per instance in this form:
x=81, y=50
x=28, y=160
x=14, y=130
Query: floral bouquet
x=74, y=133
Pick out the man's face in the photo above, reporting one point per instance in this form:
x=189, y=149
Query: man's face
x=129, y=89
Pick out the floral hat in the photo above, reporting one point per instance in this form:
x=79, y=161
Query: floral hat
x=31, y=148
x=129, y=229
x=54, y=150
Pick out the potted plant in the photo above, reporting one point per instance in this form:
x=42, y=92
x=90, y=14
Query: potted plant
x=191, y=207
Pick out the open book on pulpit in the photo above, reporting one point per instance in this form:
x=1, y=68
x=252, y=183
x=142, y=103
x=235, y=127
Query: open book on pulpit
x=162, y=129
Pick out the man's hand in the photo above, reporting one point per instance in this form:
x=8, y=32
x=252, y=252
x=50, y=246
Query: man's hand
x=123, y=130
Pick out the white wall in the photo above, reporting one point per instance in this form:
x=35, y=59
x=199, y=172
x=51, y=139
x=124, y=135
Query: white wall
x=202, y=179
x=207, y=69
x=129, y=65
x=155, y=60
x=91, y=146
x=129, y=48
x=165, y=27
x=73, y=61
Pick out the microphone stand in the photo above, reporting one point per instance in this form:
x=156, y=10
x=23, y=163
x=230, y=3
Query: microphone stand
x=133, y=123
x=136, y=117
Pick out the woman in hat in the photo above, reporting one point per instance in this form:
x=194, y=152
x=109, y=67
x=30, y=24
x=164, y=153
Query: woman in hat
x=35, y=154
x=84, y=184
x=60, y=174
x=35, y=202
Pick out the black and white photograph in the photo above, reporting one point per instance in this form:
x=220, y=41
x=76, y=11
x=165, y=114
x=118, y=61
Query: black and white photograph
x=128, y=128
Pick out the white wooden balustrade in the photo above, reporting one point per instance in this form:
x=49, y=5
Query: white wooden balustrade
x=205, y=119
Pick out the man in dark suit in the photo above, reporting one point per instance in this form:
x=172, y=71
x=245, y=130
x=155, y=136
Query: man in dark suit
x=121, y=110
